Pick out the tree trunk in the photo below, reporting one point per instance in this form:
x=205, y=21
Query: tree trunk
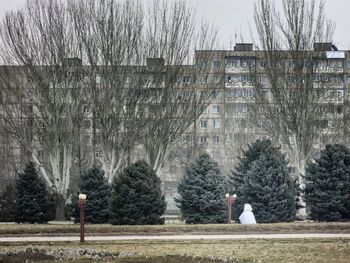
x=60, y=202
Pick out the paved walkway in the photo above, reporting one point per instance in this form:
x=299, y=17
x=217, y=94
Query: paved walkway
x=170, y=237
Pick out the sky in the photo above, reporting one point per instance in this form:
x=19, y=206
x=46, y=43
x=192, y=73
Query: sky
x=234, y=18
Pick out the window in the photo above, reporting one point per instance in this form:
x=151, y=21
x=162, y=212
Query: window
x=216, y=139
x=237, y=93
x=339, y=109
x=205, y=110
x=245, y=93
x=204, y=79
x=333, y=64
x=216, y=108
x=290, y=64
x=216, y=94
x=307, y=64
x=41, y=138
x=216, y=124
x=204, y=64
x=98, y=79
x=246, y=78
x=348, y=64
x=186, y=79
x=29, y=79
x=217, y=78
x=241, y=108
x=186, y=138
x=233, y=63
x=264, y=93
x=204, y=124
x=336, y=93
x=98, y=154
x=263, y=79
x=87, y=109
x=348, y=80
x=215, y=155
x=216, y=64
x=262, y=64
x=229, y=93
x=203, y=139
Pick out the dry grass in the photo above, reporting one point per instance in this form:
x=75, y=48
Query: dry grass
x=263, y=250
x=296, y=227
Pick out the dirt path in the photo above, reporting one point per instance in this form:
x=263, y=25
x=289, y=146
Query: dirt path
x=170, y=237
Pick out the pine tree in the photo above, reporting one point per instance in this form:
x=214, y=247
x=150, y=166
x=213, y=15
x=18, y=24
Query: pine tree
x=262, y=179
x=202, y=192
x=245, y=162
x=136, y=197
x=98, y=192
x=33, y=202
x=7, y=204
x=327, y=187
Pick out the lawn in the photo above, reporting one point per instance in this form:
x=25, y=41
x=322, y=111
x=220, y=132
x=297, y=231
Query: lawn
x=187, y=251
x=59, y=229
x=262, y=250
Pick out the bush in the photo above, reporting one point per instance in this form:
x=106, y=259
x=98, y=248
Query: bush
x=7, y=204
x=262, y=179
x=202, y=193
x=136, y=197
x=327, y=184
x=34, y=204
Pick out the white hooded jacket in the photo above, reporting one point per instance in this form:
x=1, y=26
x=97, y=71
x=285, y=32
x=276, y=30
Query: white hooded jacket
x=247, y=217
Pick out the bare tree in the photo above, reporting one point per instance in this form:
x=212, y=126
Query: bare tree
x=177, y=92
x=289, y=84
x=45, y=92
x=110, y=36
x=293, y=81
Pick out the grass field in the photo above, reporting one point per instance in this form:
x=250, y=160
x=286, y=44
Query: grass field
x=296, y=227
x=269, y=251
x=186, y=251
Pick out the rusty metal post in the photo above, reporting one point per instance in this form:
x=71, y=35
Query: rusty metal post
x=230, y=199
x=82, y=203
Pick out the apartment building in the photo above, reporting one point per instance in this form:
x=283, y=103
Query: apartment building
x=225, y=127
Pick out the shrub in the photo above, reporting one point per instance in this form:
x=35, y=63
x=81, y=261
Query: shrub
x=202, y=192
x=136, y=197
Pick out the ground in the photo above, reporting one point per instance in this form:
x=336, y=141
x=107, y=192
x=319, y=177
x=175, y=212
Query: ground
x=310, y=250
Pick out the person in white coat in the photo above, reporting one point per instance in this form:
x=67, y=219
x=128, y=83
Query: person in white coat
x=247, y=217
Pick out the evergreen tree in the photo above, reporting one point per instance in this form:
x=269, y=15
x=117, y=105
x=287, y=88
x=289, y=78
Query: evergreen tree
x=245, y=162
x=7, y=204
x=262, y=179
x=327, y=186
x=33, y=202
x=202, y=193
x=98, y=192
x=136, y=197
